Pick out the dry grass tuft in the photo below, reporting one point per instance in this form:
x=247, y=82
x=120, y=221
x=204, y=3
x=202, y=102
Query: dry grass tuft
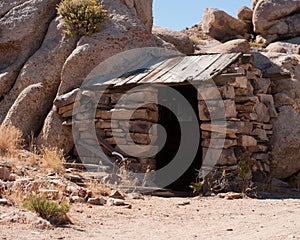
x=53, y=158
x=11, y=140
x=99, y=188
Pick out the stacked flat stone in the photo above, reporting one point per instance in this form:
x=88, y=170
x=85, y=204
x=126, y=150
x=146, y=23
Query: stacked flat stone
x=249, y=108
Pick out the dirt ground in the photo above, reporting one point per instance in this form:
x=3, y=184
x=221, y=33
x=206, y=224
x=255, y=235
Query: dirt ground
x=173, y=218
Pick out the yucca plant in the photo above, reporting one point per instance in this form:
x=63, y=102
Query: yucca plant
x=82, y=17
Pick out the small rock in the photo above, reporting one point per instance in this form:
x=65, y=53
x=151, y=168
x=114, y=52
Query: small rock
x=3, y=201
x=82, y=192
x=136, y=196
x=184, y=203
x=117, y=195
x=74, y=178
x=42, y=224
x=4, y=174
x=116, y=202
x=129, y=206
x=96, y=201
x=230, y=195
x=76, y=199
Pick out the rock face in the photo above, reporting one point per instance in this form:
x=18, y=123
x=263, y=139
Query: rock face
x=22, y=31
x=245, y=14
x=233, y=46
x=30, y=100
x=286, y=127
x=221, y=26
x=122, y=32
x=32, y=41
x=276, y=19
x=143, y=10
x=180, y=40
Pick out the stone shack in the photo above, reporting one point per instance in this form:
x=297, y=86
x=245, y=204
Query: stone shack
x=230, y=142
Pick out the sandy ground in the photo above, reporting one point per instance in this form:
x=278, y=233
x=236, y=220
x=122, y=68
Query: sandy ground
x=173, y=218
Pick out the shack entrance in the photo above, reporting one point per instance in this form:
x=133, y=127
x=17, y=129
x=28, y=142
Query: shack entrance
x=169, y=120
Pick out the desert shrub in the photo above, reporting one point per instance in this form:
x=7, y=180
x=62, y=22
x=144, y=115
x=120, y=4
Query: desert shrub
x=55, y=213
x=53, y=158
x=82, y=17
x=258, y=45
x=197, y=187
x=10, y=140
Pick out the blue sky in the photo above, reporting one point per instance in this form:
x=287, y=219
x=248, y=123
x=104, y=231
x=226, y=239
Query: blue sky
x=177, y=15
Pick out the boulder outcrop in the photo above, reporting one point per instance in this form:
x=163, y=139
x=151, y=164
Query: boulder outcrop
x=291, y=46
x=180, y=40
x=31, y=98
x=32, y=41
x=276, y=19
x=221, y=26
x=143, y=10
x=23, y=28
x=233, y=46
x=122, y=32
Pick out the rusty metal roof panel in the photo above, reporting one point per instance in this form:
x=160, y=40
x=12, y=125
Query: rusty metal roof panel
x=178, y=70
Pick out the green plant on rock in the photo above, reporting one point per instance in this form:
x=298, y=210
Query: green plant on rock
x=55, y=213
x=258, y=45
x=243, y=170
x=197, y=187
x=82, y=17
x=243, y=173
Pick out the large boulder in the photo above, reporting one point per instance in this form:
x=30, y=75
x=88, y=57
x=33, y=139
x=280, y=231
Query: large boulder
x=254, y=2
x=276, y=19
x=54, y=134
x=122, y=32
x=233, y=46
x=23, y=27
x=5, y=6
x=245, y=14
x=221, y=26
x=31, y=98
x=143, y=10
x=291, y=46
x=180, y=40
x=284, y=71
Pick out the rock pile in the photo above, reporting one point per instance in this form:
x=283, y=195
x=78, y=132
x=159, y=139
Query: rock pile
x=269, y=20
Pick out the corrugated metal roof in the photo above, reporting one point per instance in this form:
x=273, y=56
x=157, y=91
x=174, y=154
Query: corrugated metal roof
x=177, y=70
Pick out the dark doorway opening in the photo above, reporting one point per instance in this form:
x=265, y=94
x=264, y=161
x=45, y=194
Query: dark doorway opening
x=170, y=122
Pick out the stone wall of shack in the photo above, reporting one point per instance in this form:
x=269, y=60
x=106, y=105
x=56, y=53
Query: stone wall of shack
x=249, y=108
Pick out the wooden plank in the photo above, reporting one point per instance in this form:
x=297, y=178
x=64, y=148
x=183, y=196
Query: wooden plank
x=117, y=80
x=196, y=68
x=161, y=70
x=140, y=76
x=190, y=69
x=221, y=63
x=176, y=75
